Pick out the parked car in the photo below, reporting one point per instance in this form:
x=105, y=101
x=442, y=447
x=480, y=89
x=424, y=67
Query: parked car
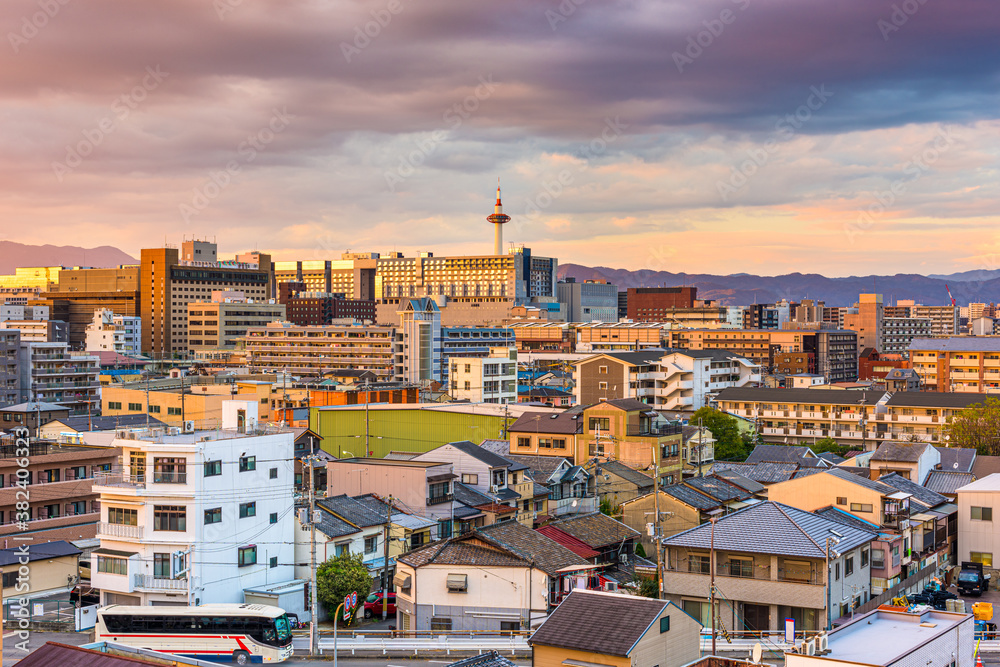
x=373, y=605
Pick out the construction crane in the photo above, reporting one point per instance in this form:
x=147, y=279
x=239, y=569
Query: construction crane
x=950, y=296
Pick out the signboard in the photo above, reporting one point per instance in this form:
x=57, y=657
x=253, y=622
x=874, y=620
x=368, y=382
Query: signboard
x=354, y=599
x=347, y=607
x=790, y=630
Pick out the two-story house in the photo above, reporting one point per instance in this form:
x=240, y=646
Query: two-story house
x=571, y=488
x=772, y=562
x=196, y=518
x=912, y=460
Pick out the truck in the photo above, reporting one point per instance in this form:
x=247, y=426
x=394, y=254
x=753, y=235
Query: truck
x=971, y=580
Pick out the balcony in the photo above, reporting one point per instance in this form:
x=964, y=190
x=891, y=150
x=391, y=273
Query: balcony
x=118, y=531
x=653, y=430
x=146, y=582
x=438, y=499
x=752, y=589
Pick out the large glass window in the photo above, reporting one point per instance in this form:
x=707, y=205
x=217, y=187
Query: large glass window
x=123, y=517
x=169, y=470
x=109, y=565
x=169, y=517
x=161, y=566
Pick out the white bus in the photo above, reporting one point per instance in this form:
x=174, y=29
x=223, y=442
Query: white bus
x=238, y=633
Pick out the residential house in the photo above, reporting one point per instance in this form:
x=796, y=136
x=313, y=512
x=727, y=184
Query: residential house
x=697, y=450
x=766, y=473
x=932, y=525
x=479, y=582
x=31, y=415
x=612, y=539
x=69, y=429
x=595, y=628
x=474, y=509
x=978, y=538
x=53, y=568
x=802, y=455
x=552, y=396
x=885, y=554
x=912, y=460
x=571, y=488
x=947, y=482
x=619, y=483
x=771, y=563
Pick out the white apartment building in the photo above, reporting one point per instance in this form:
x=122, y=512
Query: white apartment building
x=221, y=500
x=110, y=332
x=899, y=332
x=491, y=379
x=49, y=373
x=10, y=311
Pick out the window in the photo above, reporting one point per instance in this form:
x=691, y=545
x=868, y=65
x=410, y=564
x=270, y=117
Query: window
x=849, y=566
x=109, y=565
x=161, y=566
x=248, y=463
x=416, y=540
x=600, y=423
x=841, y=500
x=878, y=559
x=274, y=517
x=836, y=572
x=273, y=562
x=982, y=557
x=76, y=472
x=440, y=623
x=272, y=473
x=49, y=476
x=472, y=479
x=169, y=471
x=603, y=370
x=741, y=567
x=154, y=409
x=510, y=626
x=664, y=624
x=982, y=513
x=699, y=564
x=169, y=517
x=523, y=442
x=213, y=516
x=134, y=407
x=371, y=544
x=602, y=385
x=864, y=557
x=174, y=411
x=213, y=468
x=9, y=578
x=343, y=549
x=444, y=529
x=248, y=510
x=861, y=507
x=112, y=405
x=123, y=517
x=247, y=556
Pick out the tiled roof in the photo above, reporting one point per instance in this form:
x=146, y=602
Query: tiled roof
x=547, y=554
x=957, y=459
x=830, y=457
x=945, y=481
x=779, y=454
x=627, y=404
x=498, y=447
x=957, y=344
x=717, y=488
x=556, y=422
x=359, y=513
x=488, y=659
x=568, y=541
x=846, y=518
x=739, y=480
x=470, y=496
x=596, y=622
x=641, y=480
x=65, y=655
x=806, y=472
x=985, y=465
x=772, y=528
x=900, y=451
x=860, y=480
x=771, y=473
x=56, y=549
x=921, y=494
x=401, y=456
x=333, y=527
x=462, y=552
x=935, y=399
x=480, y=453
x=540, y=467
x=595, y=529
x=695, y=499
x=807, y=396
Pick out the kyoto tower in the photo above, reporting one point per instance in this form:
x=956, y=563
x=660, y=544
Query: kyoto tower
x=498, y=219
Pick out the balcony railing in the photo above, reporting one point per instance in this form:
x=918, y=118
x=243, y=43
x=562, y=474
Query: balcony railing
x=119, y=530
x=655, y=430
x=437, y=500
x=120, y=479
x=170, y=477
x=154, y=583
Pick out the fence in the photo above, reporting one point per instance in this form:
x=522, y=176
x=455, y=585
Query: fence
x=59, y=612
x=914, y=580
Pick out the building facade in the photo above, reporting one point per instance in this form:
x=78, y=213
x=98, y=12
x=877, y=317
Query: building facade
x=589, y=300
x=48, y=372
x=957, y=363
x=491, y=379
x=110, y=332
x=217, y=327
x=316, y=351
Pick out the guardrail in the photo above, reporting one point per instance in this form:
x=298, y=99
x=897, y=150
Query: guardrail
x=441, y=644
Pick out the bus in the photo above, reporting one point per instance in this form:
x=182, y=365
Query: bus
x=237, y=633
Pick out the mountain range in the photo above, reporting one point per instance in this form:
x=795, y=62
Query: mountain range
x=742, y=288
x=14, y=255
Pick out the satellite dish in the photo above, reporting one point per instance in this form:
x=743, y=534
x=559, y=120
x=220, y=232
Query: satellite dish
x=756, y=653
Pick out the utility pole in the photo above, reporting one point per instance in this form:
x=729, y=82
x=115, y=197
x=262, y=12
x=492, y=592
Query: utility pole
x=711, y=569
x=367, y=435
x=183, y=413
x=385, y=564
x=656, y=526
x=147, y=400
x=701, y=439
x=313, y=625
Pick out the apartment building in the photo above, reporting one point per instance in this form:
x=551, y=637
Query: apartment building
x=234, y=484
x=491, y=379
x=589, y=300
x=62, y=503
x=681, y=380
x=944, y=319
x=171, y=279
x=10, y=344
x=48, y=372
x=544, y=336
x=318, y=308
x=468, y=342
x=767, y=580
x=978, y=539
x=865, y=318
x=957, y=363
x=110, y=332
x=182, y=402
x=217, y=327
x=316, y=351
x=618, y=336
x=899, y=332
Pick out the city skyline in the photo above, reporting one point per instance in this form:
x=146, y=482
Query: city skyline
x=738, y=136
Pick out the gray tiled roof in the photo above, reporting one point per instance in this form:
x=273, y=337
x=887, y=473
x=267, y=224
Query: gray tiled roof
x=830, y=457
x=936, y=399
x=500, y=447
x=772, y=528
x=540, y=467
x=641, y=480
x=556, y=422
x=547, y=554
x=921, y=494
x=985, y=465
x=596, y=530
x=331, y=526
x=957, y=459
x=957, y=344
x=480, y=453
x=860, y=480
x=693, y=498
x=840, y=516
x=470, y=496
x=779, y=454
x=770, y=473
x=900, y=451
x=353, y=511
x=807, y=396
x=945, y=481
x=739, y=480
x=489, y=659
x=717, y=488
x=806, y=472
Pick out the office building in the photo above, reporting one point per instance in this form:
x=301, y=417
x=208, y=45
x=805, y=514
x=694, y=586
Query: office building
x=589, y=300
x=79, y=292
x=110, y=332
x=215, y=327
x=28, y=282
x=648, y=304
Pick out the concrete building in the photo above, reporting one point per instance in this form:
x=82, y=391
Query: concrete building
x=650, y=304
x=468, y=342
x=234, y=484
x=618, y=337
x=177, y=402
x=10, y=343
x=19, y=312
x=39, y=331
x=115, y=333
x=79, y=292
x=957, y=363
x=171, y=279
x=28, y=281
x=944, y=319
x=899, y=332
x=491, y=379
x=978, y=539
x=49, y=373
x=217, y=326
x=866, y=319
x=312, y=352
x=318, y=308
x=589, y=300
x=418, y=348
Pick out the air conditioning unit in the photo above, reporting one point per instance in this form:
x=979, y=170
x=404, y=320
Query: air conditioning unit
x=611, y=585
x=189, y=426
x=822, y=643
x=174, y=430
x=810, y=647
x=495, y=488
x=623, y=559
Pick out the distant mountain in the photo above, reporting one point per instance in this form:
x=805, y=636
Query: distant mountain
x=743, y=289
x=964, y=276
x=14, y=255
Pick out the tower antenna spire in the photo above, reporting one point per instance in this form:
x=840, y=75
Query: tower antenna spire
x=498, y=220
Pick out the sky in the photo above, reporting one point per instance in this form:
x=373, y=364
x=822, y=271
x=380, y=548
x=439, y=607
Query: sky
x=719, y=136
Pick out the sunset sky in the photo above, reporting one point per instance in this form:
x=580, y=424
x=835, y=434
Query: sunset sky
x=764, y=136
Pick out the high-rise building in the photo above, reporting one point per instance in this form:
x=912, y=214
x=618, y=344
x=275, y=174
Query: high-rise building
x=898, y=332
x=9, y=379
x=215, y=327
x=589, y=301
x=866, y=319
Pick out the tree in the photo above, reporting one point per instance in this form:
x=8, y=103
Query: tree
x=607, y=507
x=339, y=577
x=978, y=427
x=729, y=444
x=828, y=444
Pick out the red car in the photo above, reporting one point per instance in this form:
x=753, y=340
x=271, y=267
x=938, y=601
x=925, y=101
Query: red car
x=373, y=605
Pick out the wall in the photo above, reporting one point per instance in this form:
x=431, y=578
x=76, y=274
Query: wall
x=679, y=645
x=681, y=517
x=550, y=656
x=45, y=576
x=822, y=490
x=980, y=536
